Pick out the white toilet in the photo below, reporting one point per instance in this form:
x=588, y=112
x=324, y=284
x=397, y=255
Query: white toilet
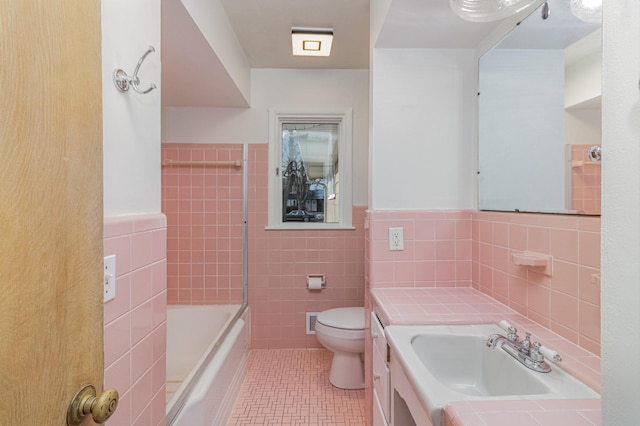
x=341, y=330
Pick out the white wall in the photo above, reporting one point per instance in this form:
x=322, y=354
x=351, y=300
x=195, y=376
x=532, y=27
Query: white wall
x=422, y=150
x=280, y=88
x=212, y=21
x=131, y=121
x=621, y=213
x=583, y=126
x=583, y=71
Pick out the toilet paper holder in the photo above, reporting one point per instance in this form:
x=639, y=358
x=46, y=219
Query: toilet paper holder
x=314, y=280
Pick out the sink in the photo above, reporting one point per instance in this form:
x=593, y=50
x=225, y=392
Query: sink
x=465, y=364
x=447, y=363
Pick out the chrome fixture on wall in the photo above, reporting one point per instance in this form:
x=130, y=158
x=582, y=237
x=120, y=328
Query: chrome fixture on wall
x=589, y=11
x=545, y=11
x=595, y=154
x=123, y=81
x=488, y=10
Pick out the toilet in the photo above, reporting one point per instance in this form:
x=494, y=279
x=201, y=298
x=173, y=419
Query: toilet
x=341, y=330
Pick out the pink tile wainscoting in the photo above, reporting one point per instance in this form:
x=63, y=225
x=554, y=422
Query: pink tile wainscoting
x=437, y=249
x=463, y=248
x=568, y=301
x=135, y=321
x=203, y=207
x=204, y=224
x=279, y=262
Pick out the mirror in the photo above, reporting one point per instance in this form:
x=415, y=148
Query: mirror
x=539, y=116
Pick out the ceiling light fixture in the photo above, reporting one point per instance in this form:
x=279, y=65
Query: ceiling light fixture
x=589, y=11
x=488, y=10
x=311, y=41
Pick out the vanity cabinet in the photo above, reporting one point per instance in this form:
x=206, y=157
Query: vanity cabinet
x=381, y=376
x=406, y=407
x=394, y=401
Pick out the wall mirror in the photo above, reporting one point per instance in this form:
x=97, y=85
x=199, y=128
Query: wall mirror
x=539, y=116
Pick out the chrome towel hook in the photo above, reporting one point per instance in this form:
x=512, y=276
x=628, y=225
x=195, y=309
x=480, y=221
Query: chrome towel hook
x=123, y=81
x=595, y=154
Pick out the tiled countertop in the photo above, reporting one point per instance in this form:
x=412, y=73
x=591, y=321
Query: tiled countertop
x=422, y=306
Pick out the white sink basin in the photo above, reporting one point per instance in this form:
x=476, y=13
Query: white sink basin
x=453, y=363
x=465, y=364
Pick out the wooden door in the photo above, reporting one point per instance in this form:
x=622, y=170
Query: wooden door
x=51, y=313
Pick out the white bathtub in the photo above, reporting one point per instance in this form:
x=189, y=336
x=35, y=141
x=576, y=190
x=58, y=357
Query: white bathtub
x=209, y=384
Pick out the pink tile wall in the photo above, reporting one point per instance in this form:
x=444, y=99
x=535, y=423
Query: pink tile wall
x=585, y=181
x=479, y=245
x=437, y=249
x=135, y=321
x=204, y=225
x=437, y=253
x=279, y=262
x=568, y=302
x=204, y=249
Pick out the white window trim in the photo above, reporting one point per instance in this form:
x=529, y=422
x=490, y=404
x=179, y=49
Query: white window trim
x=278, y=116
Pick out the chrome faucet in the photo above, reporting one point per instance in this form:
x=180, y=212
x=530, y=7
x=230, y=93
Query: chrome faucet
x=531, y=355
x=493, y=340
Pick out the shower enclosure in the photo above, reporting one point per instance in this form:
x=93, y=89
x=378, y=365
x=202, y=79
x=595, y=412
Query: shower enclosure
x=204, y=196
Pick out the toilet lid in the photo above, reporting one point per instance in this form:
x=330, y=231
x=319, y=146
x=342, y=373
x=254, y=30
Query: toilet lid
x=345, y=318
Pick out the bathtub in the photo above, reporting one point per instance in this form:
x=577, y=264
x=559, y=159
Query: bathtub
x=204, y=374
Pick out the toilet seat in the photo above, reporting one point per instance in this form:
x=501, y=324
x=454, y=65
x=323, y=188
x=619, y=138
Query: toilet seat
x=343, y=318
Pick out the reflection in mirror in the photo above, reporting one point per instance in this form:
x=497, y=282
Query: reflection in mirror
x=539, y=115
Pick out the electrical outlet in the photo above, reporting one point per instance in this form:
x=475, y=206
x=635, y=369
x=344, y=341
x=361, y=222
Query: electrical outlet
x=396, y=239
x=109, y=277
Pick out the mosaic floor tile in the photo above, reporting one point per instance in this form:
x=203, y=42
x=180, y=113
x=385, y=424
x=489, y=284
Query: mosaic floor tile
x=291, y=387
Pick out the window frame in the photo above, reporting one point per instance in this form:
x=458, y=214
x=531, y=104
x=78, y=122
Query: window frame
x=344, y=118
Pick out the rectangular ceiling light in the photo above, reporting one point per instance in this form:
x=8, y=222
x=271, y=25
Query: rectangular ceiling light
x=311, y=41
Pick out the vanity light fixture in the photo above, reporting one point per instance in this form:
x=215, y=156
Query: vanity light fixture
x=589, y=11
x=311, y=41
x=488, y=10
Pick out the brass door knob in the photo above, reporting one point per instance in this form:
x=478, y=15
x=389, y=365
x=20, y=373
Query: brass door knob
x=86, y=402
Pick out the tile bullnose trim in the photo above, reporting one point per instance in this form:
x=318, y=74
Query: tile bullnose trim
x=116, y=226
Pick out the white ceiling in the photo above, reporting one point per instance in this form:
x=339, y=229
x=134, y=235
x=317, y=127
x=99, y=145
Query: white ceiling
x=263, y=28
x=559, y=31
x=429, y=24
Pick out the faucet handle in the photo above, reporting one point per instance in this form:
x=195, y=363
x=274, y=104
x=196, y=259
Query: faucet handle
x=539, y=353
x=513, y=333
x=550, y=354
x=526, y=343
x=504, y=324
x=535, y=354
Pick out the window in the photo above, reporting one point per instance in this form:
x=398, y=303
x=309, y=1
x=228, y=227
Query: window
x=310, y=169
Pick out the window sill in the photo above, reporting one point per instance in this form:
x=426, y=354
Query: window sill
x=309, y=227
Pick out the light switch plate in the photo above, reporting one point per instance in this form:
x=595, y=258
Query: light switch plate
x=109, y=277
